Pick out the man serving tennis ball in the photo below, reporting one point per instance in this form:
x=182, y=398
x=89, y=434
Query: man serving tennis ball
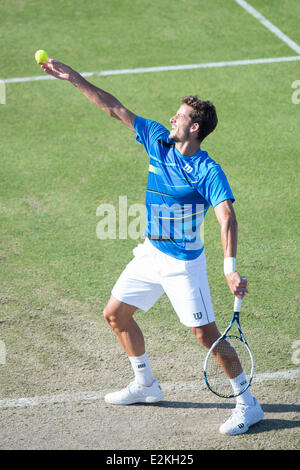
x=183, y=181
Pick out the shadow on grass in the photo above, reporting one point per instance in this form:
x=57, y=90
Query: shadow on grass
x=268, y=408
x=273, y=424
x=263, y=426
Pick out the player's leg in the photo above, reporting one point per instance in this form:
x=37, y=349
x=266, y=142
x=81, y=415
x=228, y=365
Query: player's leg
x=119, y=317
x=136, y=288
x=248, y=411
x=189, y=294
x=145, y=388
x=226, y=356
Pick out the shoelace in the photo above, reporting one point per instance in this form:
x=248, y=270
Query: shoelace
x=133, y=386
x=239, y=410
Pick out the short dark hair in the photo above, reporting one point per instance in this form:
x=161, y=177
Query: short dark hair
x=204, y=113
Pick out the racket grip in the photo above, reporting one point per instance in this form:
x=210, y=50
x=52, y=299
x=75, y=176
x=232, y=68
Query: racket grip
x=237, y=305
x=238, y=302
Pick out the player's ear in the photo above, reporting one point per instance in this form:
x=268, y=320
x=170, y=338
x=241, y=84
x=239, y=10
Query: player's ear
x=195, y=127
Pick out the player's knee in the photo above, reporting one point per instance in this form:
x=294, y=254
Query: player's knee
x=113, y=319
x=206, y=335
x=109, y=316
x=200, y=335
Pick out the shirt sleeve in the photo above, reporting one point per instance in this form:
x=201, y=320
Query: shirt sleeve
x=217, y=188
x=148, y=131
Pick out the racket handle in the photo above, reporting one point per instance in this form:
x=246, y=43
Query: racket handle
x=237, y=305
x=238, y=302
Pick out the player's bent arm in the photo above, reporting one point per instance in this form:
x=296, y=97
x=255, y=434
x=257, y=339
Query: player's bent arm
x=229, y=236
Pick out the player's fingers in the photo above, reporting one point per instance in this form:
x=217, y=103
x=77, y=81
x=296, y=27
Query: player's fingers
x=46, y=68
x=49, y=60
x=240, y=291
x=50, y=71
x=50, y=67
x=240, y=296
x=243, y=284
x=58, y=65
x=242, y=287
x=51, y=64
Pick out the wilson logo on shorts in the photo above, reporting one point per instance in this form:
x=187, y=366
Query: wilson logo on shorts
x=197, y=316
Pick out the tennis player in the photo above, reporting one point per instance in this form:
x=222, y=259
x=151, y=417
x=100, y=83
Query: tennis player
x=183, y=182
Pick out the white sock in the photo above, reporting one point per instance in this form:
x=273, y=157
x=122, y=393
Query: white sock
x=238, y=383
x=142, y=370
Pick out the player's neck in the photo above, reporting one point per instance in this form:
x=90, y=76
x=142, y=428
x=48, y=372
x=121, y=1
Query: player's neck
x=188, y=148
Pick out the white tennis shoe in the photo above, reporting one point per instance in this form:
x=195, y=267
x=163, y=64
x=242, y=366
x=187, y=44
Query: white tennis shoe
x=242, y=417
x=136, y=393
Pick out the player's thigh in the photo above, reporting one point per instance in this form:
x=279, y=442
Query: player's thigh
x=188, y=290
x=139, y=283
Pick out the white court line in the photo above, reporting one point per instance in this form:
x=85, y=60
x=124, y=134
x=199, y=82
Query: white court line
x=74, y=397
x=166, y=68
x=271, y=27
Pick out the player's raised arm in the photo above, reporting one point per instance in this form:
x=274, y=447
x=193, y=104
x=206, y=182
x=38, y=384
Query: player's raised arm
x=99, y=97
x=229, y=235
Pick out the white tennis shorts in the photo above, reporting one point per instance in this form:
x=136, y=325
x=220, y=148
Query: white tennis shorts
x=152, y=273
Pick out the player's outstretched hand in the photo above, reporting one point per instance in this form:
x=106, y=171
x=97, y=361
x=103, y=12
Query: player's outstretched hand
x=57, y=69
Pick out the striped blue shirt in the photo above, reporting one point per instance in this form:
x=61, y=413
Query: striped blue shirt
x=179, y=192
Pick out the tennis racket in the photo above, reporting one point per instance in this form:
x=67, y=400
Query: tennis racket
x=233, y=352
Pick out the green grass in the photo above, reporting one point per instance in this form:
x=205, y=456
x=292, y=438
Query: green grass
x=119, y=34
x=61, y=157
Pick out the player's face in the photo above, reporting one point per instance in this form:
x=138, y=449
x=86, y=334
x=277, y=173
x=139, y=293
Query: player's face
x=181, y=124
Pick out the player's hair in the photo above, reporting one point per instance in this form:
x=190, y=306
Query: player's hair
x=204, y=113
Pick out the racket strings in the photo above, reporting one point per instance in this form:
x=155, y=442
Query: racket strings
x=229, y=357
x=226, y=357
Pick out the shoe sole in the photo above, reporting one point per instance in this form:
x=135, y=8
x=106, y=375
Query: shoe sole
x=142, y=400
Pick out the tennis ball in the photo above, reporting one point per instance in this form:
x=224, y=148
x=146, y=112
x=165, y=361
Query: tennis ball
x=41, y=56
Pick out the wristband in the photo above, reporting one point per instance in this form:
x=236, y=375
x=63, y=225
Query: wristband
x=229, y=265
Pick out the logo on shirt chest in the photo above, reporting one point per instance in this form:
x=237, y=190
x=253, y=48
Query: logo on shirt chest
x=188, y=168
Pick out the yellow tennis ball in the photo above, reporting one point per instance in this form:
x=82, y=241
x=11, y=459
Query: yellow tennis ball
x=41, y=56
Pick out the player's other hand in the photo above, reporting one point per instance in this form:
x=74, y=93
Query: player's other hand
x=237, y=284
x=57, y=69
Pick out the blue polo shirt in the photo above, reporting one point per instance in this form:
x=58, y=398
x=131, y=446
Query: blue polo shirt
x=179, y=192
